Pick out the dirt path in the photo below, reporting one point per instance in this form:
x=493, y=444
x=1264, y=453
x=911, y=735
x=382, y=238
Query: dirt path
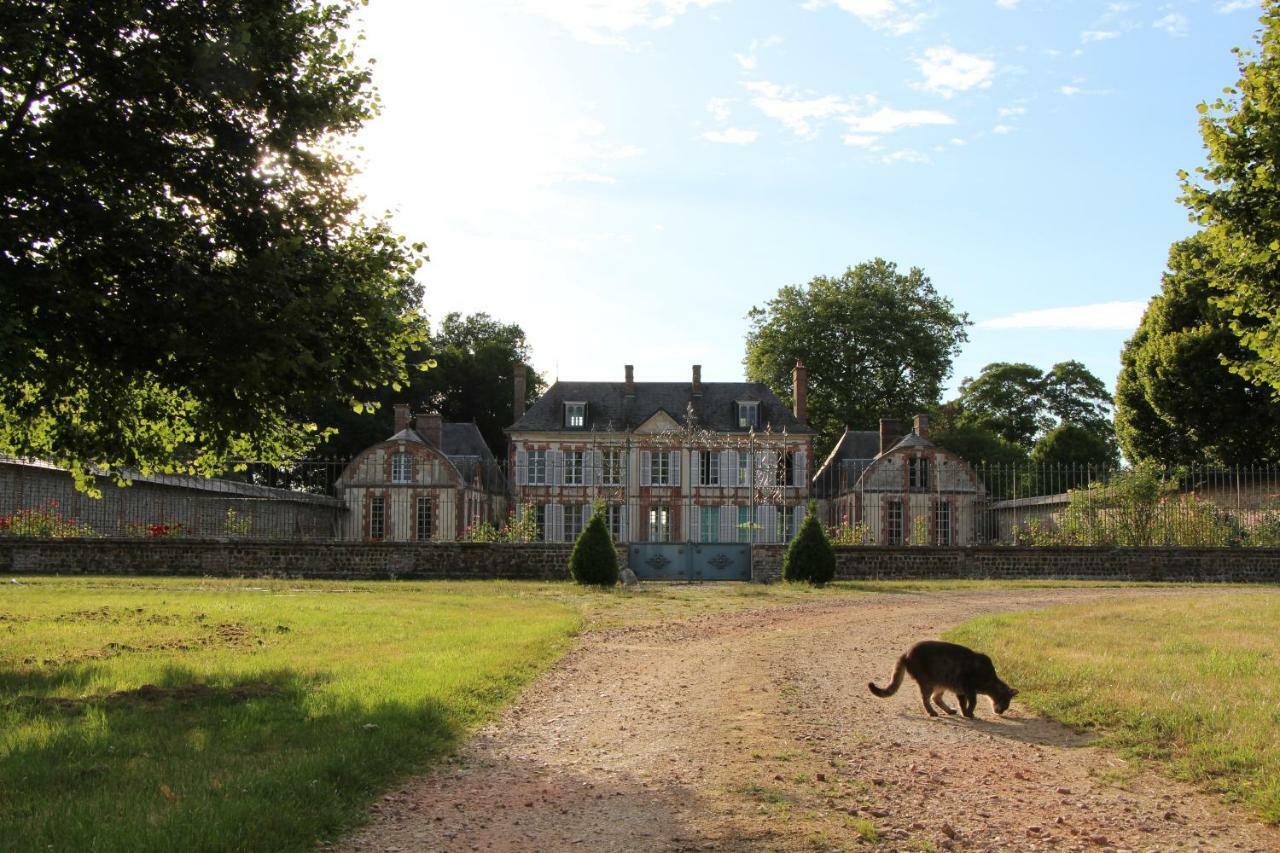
x=755, y=731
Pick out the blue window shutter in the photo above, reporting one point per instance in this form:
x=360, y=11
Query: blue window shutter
x=730, y=477
x=646, y=475
x=695, y=524
x=695, y=468
x=522, y=467
x=674, y=468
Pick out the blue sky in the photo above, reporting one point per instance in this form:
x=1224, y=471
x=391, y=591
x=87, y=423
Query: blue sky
x=626, y=178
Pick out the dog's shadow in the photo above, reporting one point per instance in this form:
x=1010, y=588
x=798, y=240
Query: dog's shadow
x=1027, y=729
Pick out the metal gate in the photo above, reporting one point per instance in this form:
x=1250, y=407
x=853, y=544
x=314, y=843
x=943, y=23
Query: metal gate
x=691, y=561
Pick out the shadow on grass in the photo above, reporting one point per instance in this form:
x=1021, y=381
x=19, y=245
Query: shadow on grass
x=199, y=763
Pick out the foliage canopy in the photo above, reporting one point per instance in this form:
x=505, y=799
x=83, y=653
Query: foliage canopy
x=1177, y=403
x=876, y=342
x=1236, y=199
x=184, y=271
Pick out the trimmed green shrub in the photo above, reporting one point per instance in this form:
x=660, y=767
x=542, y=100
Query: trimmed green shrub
x=810, y=557
x=594, y=560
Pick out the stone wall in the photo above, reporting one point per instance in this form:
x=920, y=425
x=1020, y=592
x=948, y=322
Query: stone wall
x=540, y=561
x=855, y=562
x=338, y=560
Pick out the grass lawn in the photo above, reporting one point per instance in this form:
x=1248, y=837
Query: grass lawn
x=149, y=714
x=1189, y=682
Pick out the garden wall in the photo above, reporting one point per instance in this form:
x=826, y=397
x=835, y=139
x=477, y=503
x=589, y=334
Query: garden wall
x=339, y=560
x=541, y=561
x=853, y=562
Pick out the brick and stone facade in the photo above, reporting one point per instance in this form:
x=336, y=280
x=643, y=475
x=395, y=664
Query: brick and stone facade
x=677, y=462
x=897, y=490
x=427, y=482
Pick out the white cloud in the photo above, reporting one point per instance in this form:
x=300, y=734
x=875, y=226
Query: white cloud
x=947, y=71
x=1070, y=90
x=955, y=140
x=1230, y=6
x=749, y=59
x=888, y=120
x=1101, y=315
x=1002, y=129
x=1174, y=23
x=732, y=136
x=801, y=113
x=606, y=22
x=1008, y=4
x=720, y=108
x=905, y=155
x=1008, y=112
x=1074, y=88
x=1098, y=35
x=895, y=16
x=860, y=140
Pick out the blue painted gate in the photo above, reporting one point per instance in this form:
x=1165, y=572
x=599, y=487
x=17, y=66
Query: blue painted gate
x=691, y=561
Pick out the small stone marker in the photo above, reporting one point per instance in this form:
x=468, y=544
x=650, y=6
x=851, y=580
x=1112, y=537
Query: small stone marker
x=629, y=577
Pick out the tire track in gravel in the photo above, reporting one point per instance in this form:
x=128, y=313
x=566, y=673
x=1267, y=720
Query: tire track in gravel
x=755, y=731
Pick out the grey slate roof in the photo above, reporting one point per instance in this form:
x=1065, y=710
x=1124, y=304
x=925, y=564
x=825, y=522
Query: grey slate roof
x=610, y=409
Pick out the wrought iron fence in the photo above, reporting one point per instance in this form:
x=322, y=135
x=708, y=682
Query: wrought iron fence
x=696, y=500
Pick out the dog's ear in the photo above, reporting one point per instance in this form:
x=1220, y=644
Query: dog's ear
x=1013, y=691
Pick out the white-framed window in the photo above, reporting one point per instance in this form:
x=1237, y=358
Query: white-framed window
x=895, y=522
x=613, y=517
x=709, y=524
x=659, y=468
x=377, y=518
x=787, y=469
x=401, y=467
x=744, y=469
x=918, y=472
x=659, y=524
x=709, y=469
x=614, y=465
x=537, y=475
x=572, y=522
x=423, y=528
x=573, y=467
x=540, y=522
x=575, y=415
x=748, y=414
x=942, y=522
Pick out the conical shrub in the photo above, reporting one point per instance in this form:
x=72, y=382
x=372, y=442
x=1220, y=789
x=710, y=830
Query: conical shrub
x=810, y=557
x=594, y=560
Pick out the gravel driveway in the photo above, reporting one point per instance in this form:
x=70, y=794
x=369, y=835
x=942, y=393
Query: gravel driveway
x=755, y=731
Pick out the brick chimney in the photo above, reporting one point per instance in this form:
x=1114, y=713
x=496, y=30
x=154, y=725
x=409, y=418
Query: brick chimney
x=430, y=425
x=697, y=380
x=800, y=390
x=631, y=380
x=890, y=433
x=402, y=417
x=922, y=426
x=518, y=392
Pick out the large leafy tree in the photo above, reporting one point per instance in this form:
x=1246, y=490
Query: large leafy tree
x=1019, y=402
x=1008, y=399
x=475, y=357
x=1236, y=198
x=183, y=274
x=1176, y=401
x=876, y=342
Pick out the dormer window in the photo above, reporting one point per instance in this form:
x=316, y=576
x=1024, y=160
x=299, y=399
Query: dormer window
x=400, y=467
x=748, y=414
x=575, y=415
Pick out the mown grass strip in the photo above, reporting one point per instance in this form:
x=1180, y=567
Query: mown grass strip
x=1191, y=682
x=241, y=716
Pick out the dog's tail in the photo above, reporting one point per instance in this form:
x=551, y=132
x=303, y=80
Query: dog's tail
x=898, y=670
